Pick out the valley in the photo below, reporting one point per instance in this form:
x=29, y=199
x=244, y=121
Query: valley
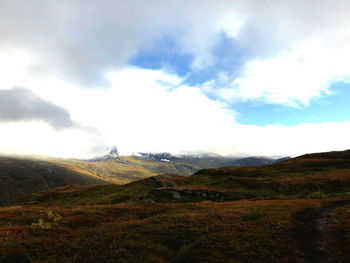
x=296, y=210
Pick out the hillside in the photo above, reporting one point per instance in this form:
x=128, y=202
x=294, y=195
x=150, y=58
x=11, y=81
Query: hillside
x=126, y=169
x=208, y=160
x=21, y=177
x=309, y=176
x=293, y=211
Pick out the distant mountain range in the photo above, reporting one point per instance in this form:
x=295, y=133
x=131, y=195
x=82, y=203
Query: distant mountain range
x=210, y=160
x=24, y=176
x=200, y=160
x=311, y=176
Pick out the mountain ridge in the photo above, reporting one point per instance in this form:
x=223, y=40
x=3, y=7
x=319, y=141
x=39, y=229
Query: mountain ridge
x=112, y=168
x=312, y=176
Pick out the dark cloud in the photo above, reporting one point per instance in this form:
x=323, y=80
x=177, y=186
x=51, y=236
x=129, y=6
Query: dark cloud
x=20, y=104
x=76, y=40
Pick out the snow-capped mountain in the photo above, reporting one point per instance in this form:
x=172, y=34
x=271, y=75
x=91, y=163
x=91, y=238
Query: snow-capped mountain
x=209, y=160
x=162, y=157
x=113, y=154
x=108, y=154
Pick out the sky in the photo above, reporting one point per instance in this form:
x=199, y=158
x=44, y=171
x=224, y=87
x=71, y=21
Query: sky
x=248, y=77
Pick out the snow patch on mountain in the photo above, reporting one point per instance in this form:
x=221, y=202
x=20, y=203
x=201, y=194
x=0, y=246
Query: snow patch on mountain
x=107, y=154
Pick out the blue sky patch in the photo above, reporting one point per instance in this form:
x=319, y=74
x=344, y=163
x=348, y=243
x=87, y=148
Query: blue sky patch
x=164, y=53
x=230, y=56
x=331, y=108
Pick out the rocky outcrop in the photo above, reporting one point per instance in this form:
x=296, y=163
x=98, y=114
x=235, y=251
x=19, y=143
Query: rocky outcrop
x=187, y=194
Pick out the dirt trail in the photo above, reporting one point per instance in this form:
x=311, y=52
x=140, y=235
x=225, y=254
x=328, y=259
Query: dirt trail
x=316, y=236
x=327, y=238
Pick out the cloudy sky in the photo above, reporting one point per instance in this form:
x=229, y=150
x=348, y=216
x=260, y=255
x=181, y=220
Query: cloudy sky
x=246, y=77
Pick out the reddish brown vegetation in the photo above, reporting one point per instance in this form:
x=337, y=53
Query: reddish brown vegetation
x=143, y=221
x=243, y=231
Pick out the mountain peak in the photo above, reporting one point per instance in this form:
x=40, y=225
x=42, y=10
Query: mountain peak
x=113, y=153
x=107, y=154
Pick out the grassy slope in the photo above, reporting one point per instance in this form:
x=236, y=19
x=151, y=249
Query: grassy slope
x=131, y=168
x=21, y=177
x=311, y=176
x=242, y=231
x=144, y=221
x=128, y=168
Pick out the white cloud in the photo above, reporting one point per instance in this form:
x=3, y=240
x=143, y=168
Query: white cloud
x=292, y=140
x=298, y=50
x=56, y=49
x=14, y=66
x=80, y=39
x=139, y=112
x=293, y=77
x=39, y=138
